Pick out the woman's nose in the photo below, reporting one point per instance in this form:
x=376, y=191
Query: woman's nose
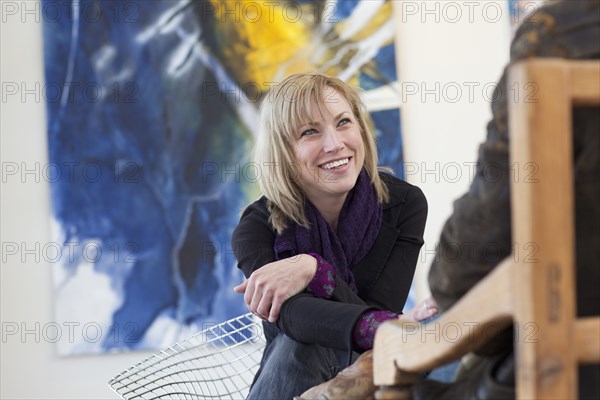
x=333, y=141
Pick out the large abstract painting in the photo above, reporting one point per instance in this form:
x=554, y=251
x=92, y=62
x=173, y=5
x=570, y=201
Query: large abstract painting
x=152, y=111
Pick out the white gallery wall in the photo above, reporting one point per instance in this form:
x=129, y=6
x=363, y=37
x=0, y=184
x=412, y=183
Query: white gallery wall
x=448, y=64
x=450, y=54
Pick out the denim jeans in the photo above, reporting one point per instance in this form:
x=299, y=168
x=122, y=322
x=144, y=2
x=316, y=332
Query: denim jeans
x=447, y=372
x=289, y=368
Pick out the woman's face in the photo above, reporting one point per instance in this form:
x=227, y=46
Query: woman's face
x=329, y=150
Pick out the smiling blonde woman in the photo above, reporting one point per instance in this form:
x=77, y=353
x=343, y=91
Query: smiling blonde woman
x=330, y=250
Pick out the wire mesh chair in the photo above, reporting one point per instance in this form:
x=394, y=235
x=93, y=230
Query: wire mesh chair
x=218, y=363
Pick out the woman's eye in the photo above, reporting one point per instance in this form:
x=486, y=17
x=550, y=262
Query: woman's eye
x=308, y=132
x=344, y=121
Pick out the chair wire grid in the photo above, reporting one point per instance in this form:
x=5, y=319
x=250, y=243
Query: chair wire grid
x=217, y=363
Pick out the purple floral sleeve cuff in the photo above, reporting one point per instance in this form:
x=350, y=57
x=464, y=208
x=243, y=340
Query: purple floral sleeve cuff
x=365, y=328
x=322, y=284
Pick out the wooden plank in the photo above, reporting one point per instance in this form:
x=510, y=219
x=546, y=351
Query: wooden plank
x=404, y=348
x=542, y=219
x=585, y=82
x=587, y=340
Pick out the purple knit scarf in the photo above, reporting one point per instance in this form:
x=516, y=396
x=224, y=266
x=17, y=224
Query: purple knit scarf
x=358, y=226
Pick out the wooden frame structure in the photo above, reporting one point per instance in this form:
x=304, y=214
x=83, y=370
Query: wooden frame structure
x=536, y=295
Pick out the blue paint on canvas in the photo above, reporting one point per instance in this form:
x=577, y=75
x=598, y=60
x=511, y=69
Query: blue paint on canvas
x=385, y=60
x=152, y=168
x=389, y=142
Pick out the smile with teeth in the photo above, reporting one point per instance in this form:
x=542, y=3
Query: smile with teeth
x=335, y=164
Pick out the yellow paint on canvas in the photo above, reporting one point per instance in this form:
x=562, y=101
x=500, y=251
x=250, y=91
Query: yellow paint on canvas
x=259, y=41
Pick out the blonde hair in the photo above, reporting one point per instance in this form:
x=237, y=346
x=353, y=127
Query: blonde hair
x=284, y=110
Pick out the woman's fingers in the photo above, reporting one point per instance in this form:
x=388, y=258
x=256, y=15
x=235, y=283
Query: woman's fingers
x=275, y=308
x=261, y=300
x=430, y=312
x=431, y=303
x=426, y=309
x=241, y=288
x=249, y=293
x=264, y=306
x=265, y=301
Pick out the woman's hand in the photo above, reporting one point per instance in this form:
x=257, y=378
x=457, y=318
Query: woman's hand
x=425, y=309
x=268, y=287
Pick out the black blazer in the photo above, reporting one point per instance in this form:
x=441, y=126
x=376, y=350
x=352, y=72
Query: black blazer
x=383, y=277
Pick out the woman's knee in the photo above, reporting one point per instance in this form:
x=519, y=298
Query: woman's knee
x=293, y=367
x=286, y=355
